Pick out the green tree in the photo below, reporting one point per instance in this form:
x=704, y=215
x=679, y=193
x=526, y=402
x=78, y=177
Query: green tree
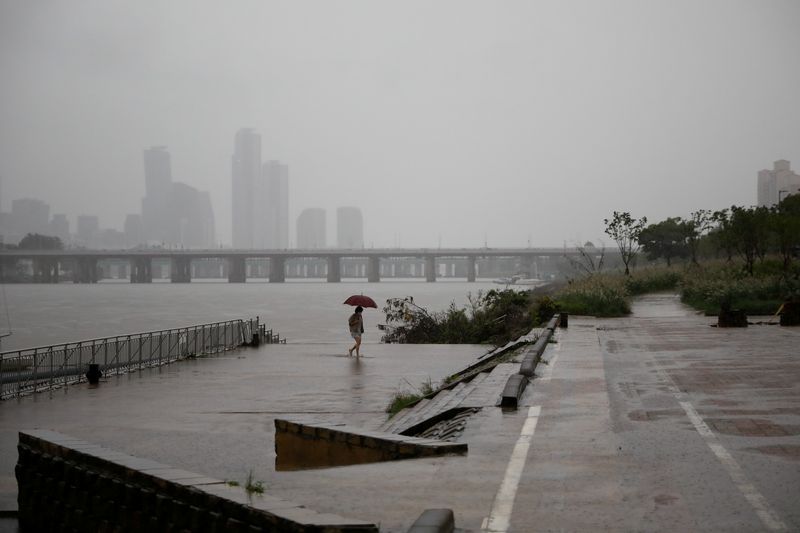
x=35, y=241
x=785, y=228
x=749, y=231
x=625, y=231
x=721, y=234
x=666, y=239
x=696, y=227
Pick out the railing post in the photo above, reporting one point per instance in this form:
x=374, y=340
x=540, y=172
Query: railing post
x=19, y=374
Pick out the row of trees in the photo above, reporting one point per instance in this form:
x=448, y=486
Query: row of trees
x=748, y=232
x=35, y=241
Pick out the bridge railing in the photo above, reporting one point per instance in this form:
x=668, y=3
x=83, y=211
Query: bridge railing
x=36, y=369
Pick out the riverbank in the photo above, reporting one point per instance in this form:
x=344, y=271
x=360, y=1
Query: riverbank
x=613, y=447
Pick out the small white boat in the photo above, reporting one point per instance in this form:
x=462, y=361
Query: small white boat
x=518, y=280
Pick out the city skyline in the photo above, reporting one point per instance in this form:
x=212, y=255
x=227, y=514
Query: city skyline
x=771, y=186
x=495, y=121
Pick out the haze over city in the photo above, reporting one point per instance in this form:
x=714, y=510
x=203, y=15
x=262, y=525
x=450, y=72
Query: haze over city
x=448, y=124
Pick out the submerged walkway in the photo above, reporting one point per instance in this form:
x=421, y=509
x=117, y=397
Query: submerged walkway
x=656, y=422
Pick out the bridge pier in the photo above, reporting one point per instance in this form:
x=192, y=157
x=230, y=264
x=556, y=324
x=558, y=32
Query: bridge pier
x=141, y=270
x=85, y=270
x=45, y=270
x=277, y=269
x=181, y=270
x=430, y=268
x=374, y=270
x=471, y=270
x=334, y=269
x=237, y=270
x=528, y=265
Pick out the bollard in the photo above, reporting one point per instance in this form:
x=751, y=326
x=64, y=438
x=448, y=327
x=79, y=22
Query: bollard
x=434, y=521
x=564, y=320
x=94, y=374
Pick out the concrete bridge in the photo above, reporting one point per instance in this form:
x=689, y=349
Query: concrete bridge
x=333, y=264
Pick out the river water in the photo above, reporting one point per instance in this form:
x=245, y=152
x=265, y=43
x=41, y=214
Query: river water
x=215, y=415
x=303, y=312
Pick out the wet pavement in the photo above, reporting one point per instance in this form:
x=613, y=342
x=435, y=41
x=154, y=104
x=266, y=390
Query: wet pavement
x=656, y=422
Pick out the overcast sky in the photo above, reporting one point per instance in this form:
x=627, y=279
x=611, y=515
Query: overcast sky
x=448, y=122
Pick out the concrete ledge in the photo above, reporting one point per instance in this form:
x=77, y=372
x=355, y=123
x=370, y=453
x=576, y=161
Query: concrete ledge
x=513, y=390
x=434, y=521
x=516, y=384
x=68, y=484
x=302, y=446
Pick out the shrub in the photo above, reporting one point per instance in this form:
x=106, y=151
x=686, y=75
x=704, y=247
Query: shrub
x=543, y=309
x=495, y=317
x=717, y=285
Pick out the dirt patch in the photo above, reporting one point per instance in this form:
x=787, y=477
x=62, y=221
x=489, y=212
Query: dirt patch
x=751, y=427
x=665, y=499
x=760, y=412
x=789, y=451
x=656, y=414
x=720, y=403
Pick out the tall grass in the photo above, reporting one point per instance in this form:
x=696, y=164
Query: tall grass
x=716, y=285
x=655, y=279
x=597, y=295
x=707, y=287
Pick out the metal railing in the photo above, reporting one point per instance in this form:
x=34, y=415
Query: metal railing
x=37, y=369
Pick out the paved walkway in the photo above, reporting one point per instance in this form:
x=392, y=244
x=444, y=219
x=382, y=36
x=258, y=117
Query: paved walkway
x=656, y=422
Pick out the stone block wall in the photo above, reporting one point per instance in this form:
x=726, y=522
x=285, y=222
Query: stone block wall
x=66, y=484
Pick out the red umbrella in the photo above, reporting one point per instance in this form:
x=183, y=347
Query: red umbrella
x=360, y=299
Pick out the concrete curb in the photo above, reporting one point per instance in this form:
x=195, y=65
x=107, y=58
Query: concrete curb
x=514, y=388
x=434, y=521
x=515, y=385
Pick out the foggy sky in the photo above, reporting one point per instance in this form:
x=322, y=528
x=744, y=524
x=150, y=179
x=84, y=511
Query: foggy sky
x=453, y=122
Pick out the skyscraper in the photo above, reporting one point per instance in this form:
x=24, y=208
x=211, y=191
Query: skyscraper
x=132, y=229
x=246, y=179
x=276, y=175
x=172, y=213
x=59, y=227
x=349, y=228
x=30, y=215
x=157, y=186
x=311, y=228
x=776, y=184
x=87, y=228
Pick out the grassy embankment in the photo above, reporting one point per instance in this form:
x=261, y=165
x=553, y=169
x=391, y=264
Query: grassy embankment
x=706, y=287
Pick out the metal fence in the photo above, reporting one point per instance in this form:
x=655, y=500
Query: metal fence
x=37, y=369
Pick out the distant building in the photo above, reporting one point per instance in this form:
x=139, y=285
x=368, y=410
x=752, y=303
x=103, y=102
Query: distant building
x=86, y=229
x=349, y=228
x=776, y=184
x=246, y=178
x=275, y=205
x=108, y=238
x=157, y=186
x=59, y=227
x=134, y=233
x=29, y=215
x=173, y=213
x=190, y=221
x=311, y=229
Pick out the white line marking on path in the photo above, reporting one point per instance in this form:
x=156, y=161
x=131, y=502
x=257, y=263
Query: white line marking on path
x=748, y=490
x=756, y=499
x=500, y=516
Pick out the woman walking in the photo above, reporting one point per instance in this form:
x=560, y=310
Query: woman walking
x=356, y=323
